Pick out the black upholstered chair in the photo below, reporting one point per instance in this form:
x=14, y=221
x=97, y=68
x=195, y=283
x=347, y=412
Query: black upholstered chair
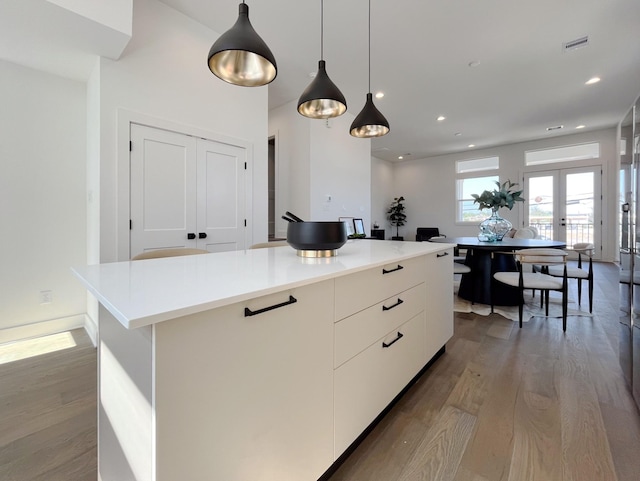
x=427, y=233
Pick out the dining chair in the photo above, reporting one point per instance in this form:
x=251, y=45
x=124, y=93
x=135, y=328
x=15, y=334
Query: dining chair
x=264, y=245
x=525, y=279
x=579, y=271
x=428, y=233
x=171, y=252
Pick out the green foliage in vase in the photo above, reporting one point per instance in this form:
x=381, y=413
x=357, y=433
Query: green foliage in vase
x=503, y=196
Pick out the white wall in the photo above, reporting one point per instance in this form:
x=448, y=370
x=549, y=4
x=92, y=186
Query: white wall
x=318, y=159
x=163, y=75
x=293, y=163
x=382, y=194
x=340, y=170
x=42, y=204
x=429, y=185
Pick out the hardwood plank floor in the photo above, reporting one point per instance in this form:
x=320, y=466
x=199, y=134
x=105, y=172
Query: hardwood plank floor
x=48, y=409
x=501, y=404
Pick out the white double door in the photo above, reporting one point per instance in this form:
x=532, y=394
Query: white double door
x=566, y=204
x=185, y=192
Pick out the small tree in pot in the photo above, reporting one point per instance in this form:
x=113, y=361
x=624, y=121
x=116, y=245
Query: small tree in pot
x=396, y=216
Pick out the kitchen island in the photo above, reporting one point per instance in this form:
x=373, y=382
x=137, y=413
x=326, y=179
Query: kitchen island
x=259, y=364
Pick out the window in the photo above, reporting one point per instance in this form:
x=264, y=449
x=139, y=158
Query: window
x=562, y=154
x=467, y=211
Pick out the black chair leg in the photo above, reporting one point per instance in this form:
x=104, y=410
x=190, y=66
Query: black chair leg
x=520, y=309
x=590, y=296
x=565, y=303
x=579, y=291
x=546, y=301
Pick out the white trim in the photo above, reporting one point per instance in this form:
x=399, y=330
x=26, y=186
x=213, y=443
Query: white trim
x=124, y=119
x=42, y=328
x=91, y=328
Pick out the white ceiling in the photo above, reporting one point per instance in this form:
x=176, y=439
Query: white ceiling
x=421, y=52
x=420, y=58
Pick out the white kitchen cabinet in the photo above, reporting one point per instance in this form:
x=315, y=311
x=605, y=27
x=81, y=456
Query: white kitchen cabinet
x=191, y=388
x=439, y=299
x=366, y=384
x=221, y=412
x=363, y=289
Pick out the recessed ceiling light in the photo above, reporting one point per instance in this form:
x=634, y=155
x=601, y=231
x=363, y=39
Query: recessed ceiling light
x=471, y=145
x=379, y=95
x=474, y=63
x=592, y=80
x=580, y=126
x=457, y=134
x=400, y=157
x=441, y=118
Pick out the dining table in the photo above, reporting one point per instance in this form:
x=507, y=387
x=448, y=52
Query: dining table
x=486, y=258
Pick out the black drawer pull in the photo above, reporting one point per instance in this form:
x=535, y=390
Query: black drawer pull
x=248, y=312
x=442, y=255
x=399, y=268
x=400, y=336
x=385, y=308
x=191, y=235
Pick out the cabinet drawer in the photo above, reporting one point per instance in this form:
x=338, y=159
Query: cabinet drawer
x=358, y=291
x=355, y=333
x=366, y=384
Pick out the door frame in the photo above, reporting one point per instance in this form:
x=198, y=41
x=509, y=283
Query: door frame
x=123, y=188
x=559, y=174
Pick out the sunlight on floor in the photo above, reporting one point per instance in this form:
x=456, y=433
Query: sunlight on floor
x=15, y=351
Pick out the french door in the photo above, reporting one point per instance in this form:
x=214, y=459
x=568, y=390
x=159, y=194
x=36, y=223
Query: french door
x=566, y=204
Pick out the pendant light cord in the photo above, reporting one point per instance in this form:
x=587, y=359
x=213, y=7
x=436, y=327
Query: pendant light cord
x=321, y=29
x=369, y=45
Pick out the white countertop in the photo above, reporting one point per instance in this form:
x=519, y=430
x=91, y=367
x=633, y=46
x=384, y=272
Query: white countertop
x=139, y=293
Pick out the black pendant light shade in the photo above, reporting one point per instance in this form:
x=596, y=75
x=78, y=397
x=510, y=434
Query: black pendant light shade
x=370, y=122
x=322, y=99
x=240, y=56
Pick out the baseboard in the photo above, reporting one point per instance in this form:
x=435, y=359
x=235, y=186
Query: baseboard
x=43, y=328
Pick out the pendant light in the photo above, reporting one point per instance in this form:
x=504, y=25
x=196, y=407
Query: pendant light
x=322, y=99
x=369, y=122
x=240, y=56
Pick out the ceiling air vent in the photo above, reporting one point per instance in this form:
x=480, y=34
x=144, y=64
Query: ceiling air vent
x=575, y=44
x=557, y=127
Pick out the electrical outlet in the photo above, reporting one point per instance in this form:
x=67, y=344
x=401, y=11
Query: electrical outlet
x=46, y=297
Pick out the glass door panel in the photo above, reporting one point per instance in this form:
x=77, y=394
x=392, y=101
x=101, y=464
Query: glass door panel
x=540, y=191
x=565, y=205
x=579, y=207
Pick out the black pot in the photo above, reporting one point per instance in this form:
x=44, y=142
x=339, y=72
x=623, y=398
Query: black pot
x=316, y=235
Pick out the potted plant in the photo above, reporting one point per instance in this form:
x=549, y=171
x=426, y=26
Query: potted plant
x=396, y=216
x=495, y=227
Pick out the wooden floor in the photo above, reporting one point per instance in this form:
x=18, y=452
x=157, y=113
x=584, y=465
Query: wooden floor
x=48, y=410
x=500, y=404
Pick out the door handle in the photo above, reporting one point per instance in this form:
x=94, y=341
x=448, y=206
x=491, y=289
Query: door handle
x=202, y=235
x=191, y=235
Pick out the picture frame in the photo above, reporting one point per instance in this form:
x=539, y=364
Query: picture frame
x=350, y=225
x=358, y=225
